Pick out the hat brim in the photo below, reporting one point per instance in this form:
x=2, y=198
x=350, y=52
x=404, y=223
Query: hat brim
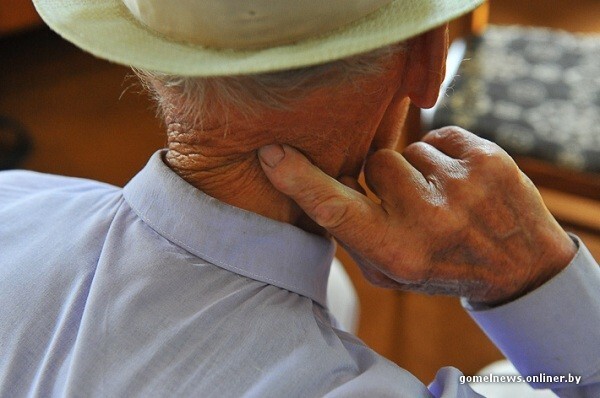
x=108, y=30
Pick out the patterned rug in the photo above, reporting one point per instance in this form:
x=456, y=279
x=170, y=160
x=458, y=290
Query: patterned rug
x=533, y=91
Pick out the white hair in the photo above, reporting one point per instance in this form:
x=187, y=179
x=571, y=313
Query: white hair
x=194, y=99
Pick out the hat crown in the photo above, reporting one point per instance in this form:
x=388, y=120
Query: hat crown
x=247, y=24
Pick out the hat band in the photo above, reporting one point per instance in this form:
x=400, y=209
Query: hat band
x=247, y=24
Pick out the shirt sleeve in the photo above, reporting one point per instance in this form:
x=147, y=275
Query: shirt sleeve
x=554, y=330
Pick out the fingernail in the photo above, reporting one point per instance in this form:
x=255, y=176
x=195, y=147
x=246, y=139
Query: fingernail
x=271, y=155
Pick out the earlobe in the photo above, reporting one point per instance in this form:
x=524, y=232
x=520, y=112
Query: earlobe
x=426, y=66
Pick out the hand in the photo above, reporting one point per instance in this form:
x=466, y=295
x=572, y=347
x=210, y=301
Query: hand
x=456, y=217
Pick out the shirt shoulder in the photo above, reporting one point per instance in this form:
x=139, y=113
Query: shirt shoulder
x=18, y=184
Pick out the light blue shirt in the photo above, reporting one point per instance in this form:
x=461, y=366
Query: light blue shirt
x=159, y=290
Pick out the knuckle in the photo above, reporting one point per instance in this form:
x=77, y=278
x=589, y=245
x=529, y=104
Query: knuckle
x=383, y=171
x=292, y=181
x=450, y=133
x=458, y=137
x=381, y=159
x=286, y=184
x=331, y=212
x=416, y=146
x=455, y=173
x=415, y=149
x=492, y=157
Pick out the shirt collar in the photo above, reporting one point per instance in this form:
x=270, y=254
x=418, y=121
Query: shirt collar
x=229, y=237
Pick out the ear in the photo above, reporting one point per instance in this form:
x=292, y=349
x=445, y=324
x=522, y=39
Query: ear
x=423, y=73
x=426, y=66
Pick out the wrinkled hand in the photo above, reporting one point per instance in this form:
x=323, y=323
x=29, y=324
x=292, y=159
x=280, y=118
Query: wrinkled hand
x=456, y=217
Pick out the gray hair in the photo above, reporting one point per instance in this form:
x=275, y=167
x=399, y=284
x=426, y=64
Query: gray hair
x=195, y=99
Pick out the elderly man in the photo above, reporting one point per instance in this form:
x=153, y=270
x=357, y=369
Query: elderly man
x=205, y=277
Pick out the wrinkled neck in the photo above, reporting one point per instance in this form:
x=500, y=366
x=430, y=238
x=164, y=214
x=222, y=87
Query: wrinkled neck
x=216, y=163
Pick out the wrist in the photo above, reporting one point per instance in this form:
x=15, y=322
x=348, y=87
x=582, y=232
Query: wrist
x=556, y=254
x=556, y=257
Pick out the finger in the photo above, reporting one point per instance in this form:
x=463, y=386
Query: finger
x=427, y=159
x=464, y=146
x=344, y=212
x=455, y=142
x=391, y=177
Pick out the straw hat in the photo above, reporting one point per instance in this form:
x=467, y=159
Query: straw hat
x=230, y=37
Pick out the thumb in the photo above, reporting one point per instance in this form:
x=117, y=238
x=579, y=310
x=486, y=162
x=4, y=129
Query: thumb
x=332, y=205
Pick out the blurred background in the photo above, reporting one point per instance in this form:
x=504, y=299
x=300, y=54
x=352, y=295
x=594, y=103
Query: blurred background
x=63, y=111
